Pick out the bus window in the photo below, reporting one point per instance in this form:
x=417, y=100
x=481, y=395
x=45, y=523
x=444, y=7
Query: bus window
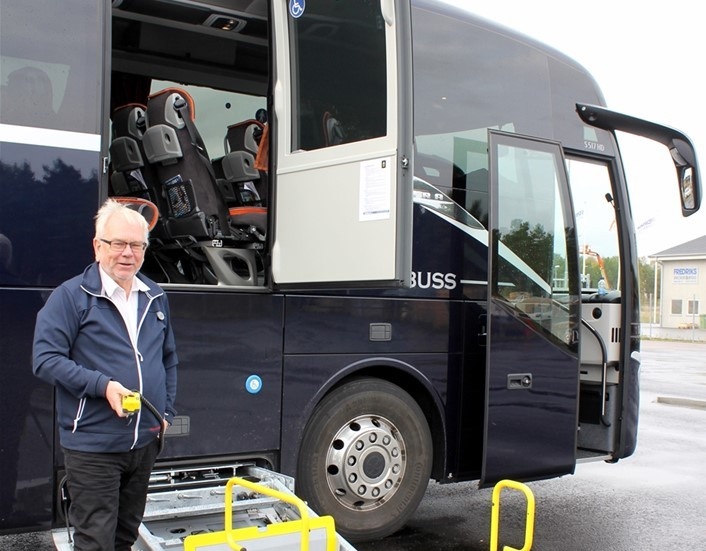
x=46, y=86
x=338, y=102
x=458, y=164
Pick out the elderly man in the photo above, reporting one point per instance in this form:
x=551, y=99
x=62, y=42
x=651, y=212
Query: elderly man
x=101, y=335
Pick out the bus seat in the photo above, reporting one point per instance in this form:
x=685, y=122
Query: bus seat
x=145, y=207
x=27, y=96
x=175, y=149
x=253, y=218
x=197, y=213
x=250, y=136
x=131, y=175
x=126, y=156
x=239, y=178
x=333, y=130
x=262, y=159
x=244, y=136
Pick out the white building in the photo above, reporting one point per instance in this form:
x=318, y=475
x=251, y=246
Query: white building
x=682, y=276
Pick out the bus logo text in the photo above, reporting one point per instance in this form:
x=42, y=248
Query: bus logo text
x=436, y=280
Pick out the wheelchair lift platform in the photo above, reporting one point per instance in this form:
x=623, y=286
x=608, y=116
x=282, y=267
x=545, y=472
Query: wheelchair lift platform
x=264, y=515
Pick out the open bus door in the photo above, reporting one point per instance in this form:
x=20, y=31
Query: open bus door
x=532, y=361
x=343, y=145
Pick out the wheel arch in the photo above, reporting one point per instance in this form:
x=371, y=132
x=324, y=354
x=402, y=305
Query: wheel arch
x=397, y=372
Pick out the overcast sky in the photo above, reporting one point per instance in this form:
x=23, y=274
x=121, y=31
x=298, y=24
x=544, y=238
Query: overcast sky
x=647, y=57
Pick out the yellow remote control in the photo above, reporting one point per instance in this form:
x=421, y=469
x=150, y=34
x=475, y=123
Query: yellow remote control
x=131, y=403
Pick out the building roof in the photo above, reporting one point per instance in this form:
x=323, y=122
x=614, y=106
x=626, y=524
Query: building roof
x=695, y=247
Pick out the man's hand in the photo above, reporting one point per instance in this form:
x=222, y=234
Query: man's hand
x=114, y=393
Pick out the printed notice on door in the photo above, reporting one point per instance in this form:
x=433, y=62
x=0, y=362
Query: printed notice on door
x=375, y=189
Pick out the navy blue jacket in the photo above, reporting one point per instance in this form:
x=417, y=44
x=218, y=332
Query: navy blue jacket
x=81, y=343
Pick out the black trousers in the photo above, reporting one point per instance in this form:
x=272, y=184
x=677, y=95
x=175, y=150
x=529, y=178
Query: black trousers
x=108, y=492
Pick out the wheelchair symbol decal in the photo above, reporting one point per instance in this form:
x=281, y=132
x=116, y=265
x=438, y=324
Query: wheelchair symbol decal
x=296, y=8
x=253, y=384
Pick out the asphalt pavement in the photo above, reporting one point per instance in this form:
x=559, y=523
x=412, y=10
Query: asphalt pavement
x=652, y=501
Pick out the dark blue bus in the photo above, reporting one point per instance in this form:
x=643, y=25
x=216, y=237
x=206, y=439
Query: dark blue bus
x=370, y=218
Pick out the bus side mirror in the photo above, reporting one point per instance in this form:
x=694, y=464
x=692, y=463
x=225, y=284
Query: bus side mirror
x=688, y=190
x=680, y=147
x=684, y=158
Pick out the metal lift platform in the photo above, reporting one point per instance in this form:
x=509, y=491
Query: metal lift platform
x=264, y=515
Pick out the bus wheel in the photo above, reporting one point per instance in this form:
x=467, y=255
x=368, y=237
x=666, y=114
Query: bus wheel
x=365, y=458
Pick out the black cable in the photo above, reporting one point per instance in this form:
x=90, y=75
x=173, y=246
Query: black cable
x=153, y=411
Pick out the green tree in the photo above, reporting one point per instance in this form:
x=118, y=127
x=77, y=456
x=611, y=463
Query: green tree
x=647, y=278
x=649, y=304
x=534, y=245
x=588, y=265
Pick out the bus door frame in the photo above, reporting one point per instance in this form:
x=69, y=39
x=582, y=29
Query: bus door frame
x=323, y=231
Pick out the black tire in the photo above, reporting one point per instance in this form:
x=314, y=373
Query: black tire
x=365, y=458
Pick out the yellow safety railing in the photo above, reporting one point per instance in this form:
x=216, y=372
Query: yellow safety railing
x=304, y=525
x=495, y=516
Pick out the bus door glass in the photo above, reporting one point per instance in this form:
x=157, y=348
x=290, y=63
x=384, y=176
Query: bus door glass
x=343, y=189
x=533, y=314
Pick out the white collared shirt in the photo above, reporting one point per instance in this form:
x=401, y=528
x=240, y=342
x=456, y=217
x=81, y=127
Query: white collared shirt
x=127, y=305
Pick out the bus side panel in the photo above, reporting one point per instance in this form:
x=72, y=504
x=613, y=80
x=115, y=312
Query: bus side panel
x=49, y=197
x=329, y=338
x=222, y=340
x=340, y=325
x=27, y=414
x=309, y=377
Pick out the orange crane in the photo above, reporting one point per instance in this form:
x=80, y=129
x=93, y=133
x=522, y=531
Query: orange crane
x=601, y=265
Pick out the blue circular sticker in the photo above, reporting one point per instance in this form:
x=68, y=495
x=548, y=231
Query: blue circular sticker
x=296, y=8
x=253, y=384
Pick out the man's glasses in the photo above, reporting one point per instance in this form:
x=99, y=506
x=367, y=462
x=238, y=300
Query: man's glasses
x=119, y=246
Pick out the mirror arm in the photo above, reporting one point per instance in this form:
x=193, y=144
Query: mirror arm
x=680, y=146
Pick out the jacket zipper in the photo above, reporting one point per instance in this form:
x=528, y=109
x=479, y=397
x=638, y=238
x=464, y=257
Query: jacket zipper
x=138, y=358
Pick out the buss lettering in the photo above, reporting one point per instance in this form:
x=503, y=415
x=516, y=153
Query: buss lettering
x=433, y=280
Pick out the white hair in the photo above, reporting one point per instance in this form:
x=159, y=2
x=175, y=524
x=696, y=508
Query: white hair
x=114, y=208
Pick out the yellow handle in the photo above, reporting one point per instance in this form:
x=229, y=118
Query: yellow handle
x=304, y=525
x=264, y=490
x=495, y=517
